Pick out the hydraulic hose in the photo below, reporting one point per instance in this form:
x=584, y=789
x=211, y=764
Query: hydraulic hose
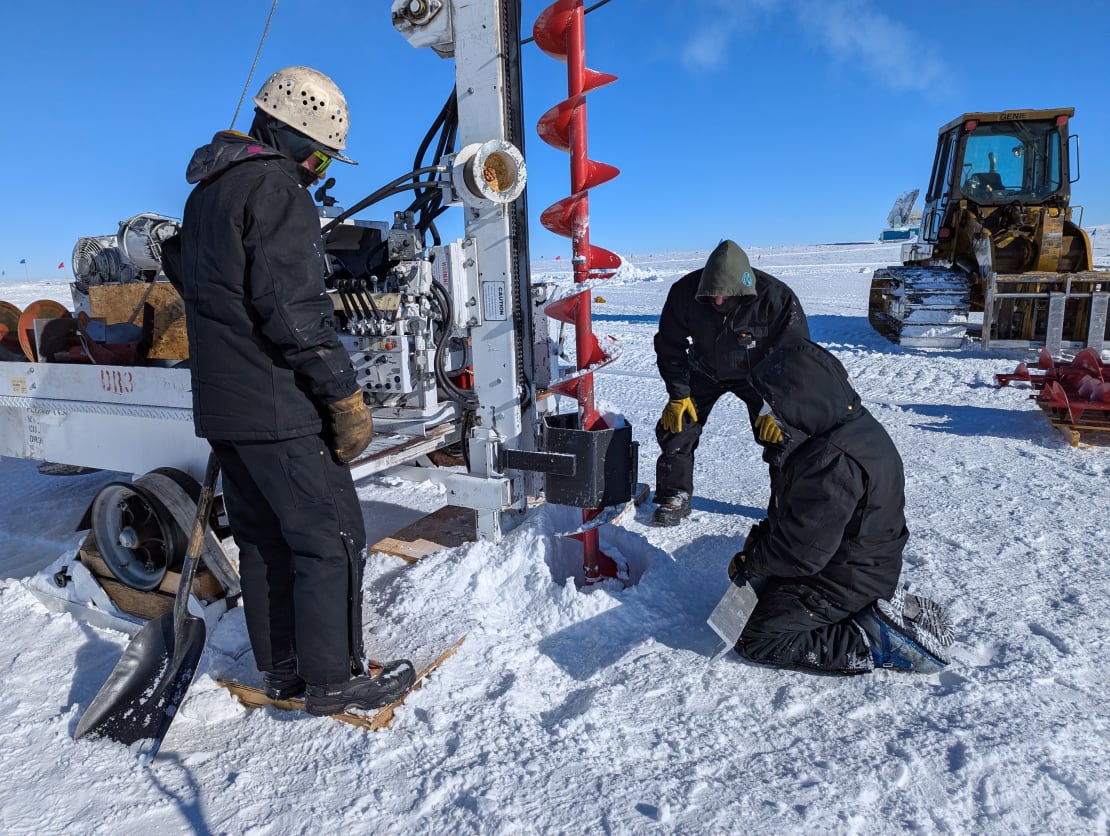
x=393, y=187
x=456, y=393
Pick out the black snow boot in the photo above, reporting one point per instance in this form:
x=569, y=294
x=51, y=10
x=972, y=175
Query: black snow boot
x=672, y=509
x=362, y=693
x=283, y=683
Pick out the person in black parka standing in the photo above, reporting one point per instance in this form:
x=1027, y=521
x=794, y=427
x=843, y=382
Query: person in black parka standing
x=275, y=394
x=829, y=554
x=716, y=325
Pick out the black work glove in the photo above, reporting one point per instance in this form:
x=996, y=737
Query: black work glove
x=739, y=564
x=737, y=567
x=350, y=426
x=757, y=532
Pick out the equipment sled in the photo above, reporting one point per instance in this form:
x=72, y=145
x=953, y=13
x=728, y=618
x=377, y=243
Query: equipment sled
x=1074, y=395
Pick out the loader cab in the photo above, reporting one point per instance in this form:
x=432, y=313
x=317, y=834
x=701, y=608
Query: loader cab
x=998, y=159
x=1011, y=161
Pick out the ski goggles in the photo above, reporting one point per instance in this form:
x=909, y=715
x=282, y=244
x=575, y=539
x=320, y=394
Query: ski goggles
x=322, y=161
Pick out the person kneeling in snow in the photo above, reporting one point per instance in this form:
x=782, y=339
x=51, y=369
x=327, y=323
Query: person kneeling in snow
x=829, y=555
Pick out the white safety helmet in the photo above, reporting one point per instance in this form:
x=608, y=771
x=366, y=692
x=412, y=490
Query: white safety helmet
x=310, y=102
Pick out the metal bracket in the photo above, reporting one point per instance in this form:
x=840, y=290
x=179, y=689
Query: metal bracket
x=480, y=493
x=1097, y=329
x=1054, y=331
x=556, y=464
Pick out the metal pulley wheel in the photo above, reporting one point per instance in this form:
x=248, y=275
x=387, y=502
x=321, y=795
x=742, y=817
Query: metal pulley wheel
x=139, y=526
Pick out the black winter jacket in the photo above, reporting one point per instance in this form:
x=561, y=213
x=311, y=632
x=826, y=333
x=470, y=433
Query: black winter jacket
x=836, y=522
x=725, y=347
x=264, y=353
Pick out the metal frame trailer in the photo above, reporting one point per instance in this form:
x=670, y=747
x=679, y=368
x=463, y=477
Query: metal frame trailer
x=137, y=418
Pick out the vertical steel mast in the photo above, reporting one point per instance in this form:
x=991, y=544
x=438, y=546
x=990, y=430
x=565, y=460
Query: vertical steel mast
x=487, y=80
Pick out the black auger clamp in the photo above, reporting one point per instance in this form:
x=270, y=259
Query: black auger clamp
x=582, y=468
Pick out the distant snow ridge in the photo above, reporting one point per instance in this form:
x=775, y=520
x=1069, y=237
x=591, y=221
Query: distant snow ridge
x=561, y=271
x=629, y=273
x=1100, y=244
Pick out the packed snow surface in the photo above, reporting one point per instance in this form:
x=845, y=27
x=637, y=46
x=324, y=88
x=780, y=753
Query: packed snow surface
x=602, y=711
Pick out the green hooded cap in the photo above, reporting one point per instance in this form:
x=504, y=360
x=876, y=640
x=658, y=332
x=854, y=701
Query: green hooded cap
x=727, y=272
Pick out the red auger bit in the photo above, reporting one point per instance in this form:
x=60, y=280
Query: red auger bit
x=560, y=32
x=1074, y=395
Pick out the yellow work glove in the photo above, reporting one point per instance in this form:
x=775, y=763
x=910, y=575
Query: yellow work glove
x=766, y=430
x=674, y=412
x=351, y=426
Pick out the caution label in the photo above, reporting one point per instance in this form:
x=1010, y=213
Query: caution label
x=495, y=301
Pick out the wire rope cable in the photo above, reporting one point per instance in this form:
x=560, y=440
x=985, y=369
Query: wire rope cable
x=254, y=64
x=596, y=5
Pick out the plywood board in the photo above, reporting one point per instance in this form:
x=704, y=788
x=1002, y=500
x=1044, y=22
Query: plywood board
x=446, y=528
x=116, y=303
x=146, y=605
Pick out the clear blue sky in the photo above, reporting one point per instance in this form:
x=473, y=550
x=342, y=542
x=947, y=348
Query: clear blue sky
x=775, y=121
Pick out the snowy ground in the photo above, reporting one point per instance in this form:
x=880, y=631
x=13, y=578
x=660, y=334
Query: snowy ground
x=571, y=711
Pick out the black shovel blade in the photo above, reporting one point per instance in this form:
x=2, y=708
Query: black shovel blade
x=141, y=695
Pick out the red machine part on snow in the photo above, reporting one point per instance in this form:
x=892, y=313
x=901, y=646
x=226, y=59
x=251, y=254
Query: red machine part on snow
x=560, y=32
x=1074, y=395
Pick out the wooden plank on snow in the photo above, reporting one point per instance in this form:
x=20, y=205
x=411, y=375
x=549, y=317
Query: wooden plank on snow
x=446, y=528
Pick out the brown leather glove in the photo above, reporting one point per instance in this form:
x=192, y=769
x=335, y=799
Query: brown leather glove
x=351, y=426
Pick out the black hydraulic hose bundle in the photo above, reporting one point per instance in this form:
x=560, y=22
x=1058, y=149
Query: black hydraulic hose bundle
x=447, y=123
x=427, y=205
x=428, y=199
x=455, y=392
x=393, y=187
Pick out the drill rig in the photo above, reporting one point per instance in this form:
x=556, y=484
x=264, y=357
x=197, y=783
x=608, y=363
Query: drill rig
x=449, y=338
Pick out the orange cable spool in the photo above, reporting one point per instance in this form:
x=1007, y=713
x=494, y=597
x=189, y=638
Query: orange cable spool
x=9, y=326
x=41, y=309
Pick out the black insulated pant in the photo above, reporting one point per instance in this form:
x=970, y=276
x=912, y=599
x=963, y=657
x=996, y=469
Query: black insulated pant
x=297, y=521
x=793, y=626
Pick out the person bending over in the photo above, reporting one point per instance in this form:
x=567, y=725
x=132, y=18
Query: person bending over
x=716, y=325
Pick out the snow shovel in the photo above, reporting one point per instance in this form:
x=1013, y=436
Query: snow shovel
x=143, y=692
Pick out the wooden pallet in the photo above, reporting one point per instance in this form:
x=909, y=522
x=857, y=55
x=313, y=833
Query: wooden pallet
x=1082, y=435
x=253, y=697
x=145, y=604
